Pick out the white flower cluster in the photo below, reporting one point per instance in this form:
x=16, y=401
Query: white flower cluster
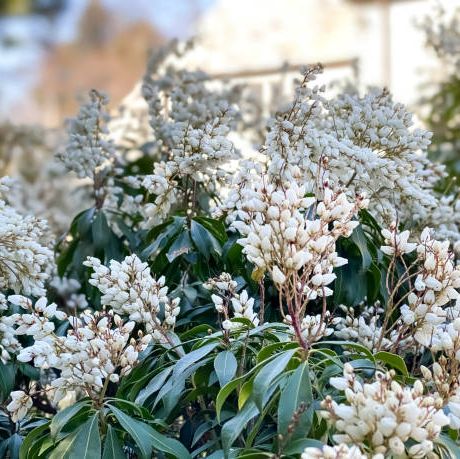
x=341, y=451
x=444, y=380
x=363, y=144
x=9, y=344
x=129, y=289
x=383, y=417
x=19, y=406
x=226, y=294
x=97, y=349
x=436, y=284
x=313, y=328
x=191, y=124
x=363, y=328
x=26, y=261
x=36, y=322
x=284, y=232
x=398, y=244
x=89, y=152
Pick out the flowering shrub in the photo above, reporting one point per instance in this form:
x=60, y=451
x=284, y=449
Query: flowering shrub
x=300, y=299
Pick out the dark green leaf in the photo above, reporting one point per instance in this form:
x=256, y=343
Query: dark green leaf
x=225, y=365
x=182, y=245
x=295, y=393
x=147, y=438
x=85, y=443
x=204, y=241
x=61, y=418
x=112, y=446
x=267, y=375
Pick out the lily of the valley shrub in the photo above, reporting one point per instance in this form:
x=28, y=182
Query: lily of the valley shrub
x=297, y=299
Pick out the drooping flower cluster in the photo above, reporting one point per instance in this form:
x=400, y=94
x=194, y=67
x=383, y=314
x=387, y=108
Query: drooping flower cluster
x=436, y=283
x=89, y=152
x=129, y=289
x=226, y=295
x=19, y=406
x=9, y=344
x=37, y=321
x=444, y=380
x=293, y=238
x=365, y=144
x=384, y=417
x=26, y=261
x=97, y=349
x=341, y=451
x=191, y=124
x=313, y=328
x=285, y=231
x=363, y=326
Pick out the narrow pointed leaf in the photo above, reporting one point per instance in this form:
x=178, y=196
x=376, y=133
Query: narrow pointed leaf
x=112, y=446
x=267, y=375
x=225, y=365
x=147, y=438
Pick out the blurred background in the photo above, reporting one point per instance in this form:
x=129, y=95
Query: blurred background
x=53, y=51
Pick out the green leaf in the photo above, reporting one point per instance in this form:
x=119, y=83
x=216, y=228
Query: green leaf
x=225, y=365
x=7, y=378
x=83, y=221
x=225, y=392
x=189, y=359
x=359, y=238
x=147, y=438
x=100, y=230
x=393, y=361
x=204, y=241
x=231, y=386
x=85, y=443
x=449, y=446
x=182, y=245
x=268, y=373
x=154, y=385
x=14, y=445
x=296, y=392
x=232, y=429
x=297, y=446
x=32, y=437
x=112, y=446
x=171, y=228
x=61, y=418
x=215, y=227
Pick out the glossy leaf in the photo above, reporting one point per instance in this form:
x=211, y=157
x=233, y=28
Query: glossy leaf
x=267, y=375
x=147, y=438
x=225, y=365
x=295, y=393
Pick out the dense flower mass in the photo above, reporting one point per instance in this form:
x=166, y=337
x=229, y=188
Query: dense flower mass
x=26, y=260
x=89, y=152
x=384, y=416
x=229, y=302
x=191, y=124
x=129, y=289
x=341, y=451
x=97, y=349
x=298, y=298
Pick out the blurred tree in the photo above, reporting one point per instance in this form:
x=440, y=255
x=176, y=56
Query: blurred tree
x=108, y=54
x=46, y=7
